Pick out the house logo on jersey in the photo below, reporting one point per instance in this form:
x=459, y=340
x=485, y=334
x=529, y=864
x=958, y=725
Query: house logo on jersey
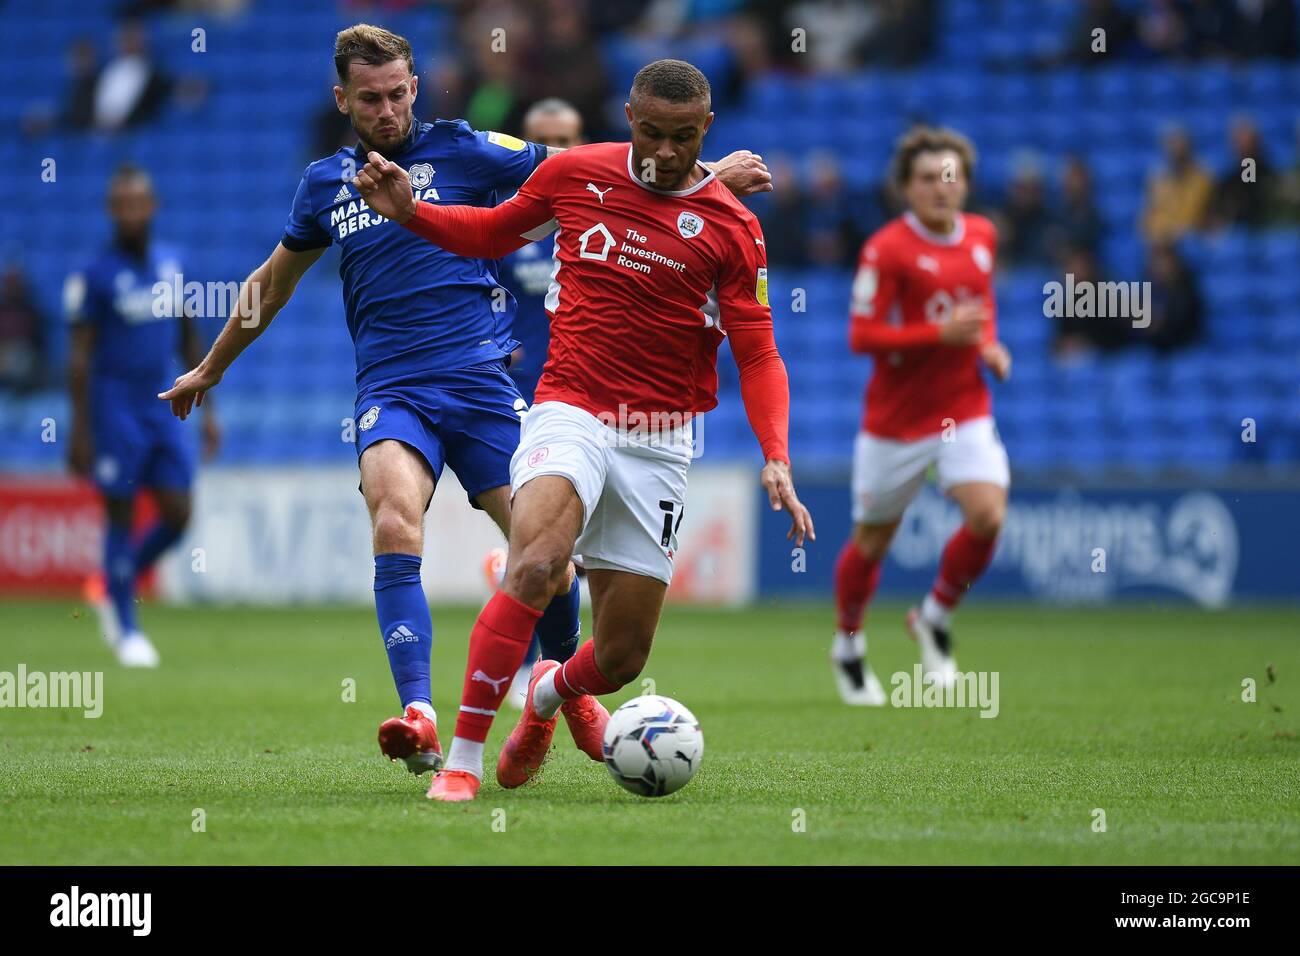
x=585, y=240
x=689, y=225
x=369, y=418
x=421, y=175
x=983, y=258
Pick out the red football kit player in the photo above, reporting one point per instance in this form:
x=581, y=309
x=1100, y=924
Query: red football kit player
x=655, y=263
x=923, y=307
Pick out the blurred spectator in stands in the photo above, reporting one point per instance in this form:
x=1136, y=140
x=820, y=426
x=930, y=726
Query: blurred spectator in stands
x=781, y=213
x=1108, y=16
x=1265, y=28
x=1077, y=224
x=1162, y=29
x=901, y=34
x=83, y=71
x=1242, y=196
x=1175, y=302
x=751, y=58
x=1025, y=222
x=1285, y=206
x=1177, y=197
x=833, y=33
x=1078, y=336
x=567, y=63
x=1209, y=27
x=831, y=233
x=130, y=88
x=22, y=335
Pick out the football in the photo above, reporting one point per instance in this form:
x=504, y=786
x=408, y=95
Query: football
x=653, y=746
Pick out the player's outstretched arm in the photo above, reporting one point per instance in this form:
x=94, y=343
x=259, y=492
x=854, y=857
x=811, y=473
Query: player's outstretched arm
x=743, y=172
x=262, y=295
x=765, y=391
x=462, y=230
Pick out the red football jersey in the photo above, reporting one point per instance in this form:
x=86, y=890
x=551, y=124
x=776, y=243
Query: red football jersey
x=635, y=272
x=907, y=283
x=646, y=285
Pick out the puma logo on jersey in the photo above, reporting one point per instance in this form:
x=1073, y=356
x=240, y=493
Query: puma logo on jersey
x=495, y=682
x=600, y=193
x=928, y=263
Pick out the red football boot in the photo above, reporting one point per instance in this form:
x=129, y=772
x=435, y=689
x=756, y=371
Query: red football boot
x=454, y=786
x=587, y=717
x=525, y=749
x=412, y=738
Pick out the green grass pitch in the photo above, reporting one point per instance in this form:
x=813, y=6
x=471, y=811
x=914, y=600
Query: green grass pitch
x=1137, y=712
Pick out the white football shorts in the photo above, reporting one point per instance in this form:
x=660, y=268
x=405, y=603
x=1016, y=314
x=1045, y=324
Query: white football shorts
x=887, y=474
x=633, y=488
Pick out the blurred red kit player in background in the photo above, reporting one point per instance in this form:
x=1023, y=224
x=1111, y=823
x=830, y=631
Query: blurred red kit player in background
x=923, y=307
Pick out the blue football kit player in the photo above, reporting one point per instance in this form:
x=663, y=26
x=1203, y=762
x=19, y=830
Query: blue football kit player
x=432, y=333
x=128, y=328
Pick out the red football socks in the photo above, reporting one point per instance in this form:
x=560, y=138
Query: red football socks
x=965, y=557
x=579, y=675
x=855, y=583
x=497, y=646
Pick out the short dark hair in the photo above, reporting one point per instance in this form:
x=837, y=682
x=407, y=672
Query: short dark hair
x=371, y=45
x=129, y=172
x=931, y=139
x=673, y=80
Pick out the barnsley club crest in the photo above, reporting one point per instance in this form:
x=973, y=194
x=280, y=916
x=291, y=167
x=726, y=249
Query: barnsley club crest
x=689, y=225
x=421, y=175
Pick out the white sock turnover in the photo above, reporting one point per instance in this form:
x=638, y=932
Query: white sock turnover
x=936, y=613
x=546, y=699
x=465, y=755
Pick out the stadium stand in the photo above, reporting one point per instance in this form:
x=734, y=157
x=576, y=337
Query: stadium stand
x=225, y=196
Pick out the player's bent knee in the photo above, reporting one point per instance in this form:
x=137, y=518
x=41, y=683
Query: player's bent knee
x=539, y=573
x=396, y=531
x=872, y=540
x=986, y=522
x=623, y=665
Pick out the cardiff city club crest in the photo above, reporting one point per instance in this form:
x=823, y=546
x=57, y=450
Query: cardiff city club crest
x=369, y=418
x=689, y=225
x=421, y=175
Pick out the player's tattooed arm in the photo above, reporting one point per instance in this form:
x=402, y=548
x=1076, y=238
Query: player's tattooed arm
x=743, y=172
x=262, y=295
x=81, y=347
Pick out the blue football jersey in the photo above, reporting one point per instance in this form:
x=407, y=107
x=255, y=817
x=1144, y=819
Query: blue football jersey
x=134, y=304
x=527, y=273
x=413, y=308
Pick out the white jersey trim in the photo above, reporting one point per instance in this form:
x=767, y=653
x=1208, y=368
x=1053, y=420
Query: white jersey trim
x=631, y=174
x=939, y=239
x=552, y=301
